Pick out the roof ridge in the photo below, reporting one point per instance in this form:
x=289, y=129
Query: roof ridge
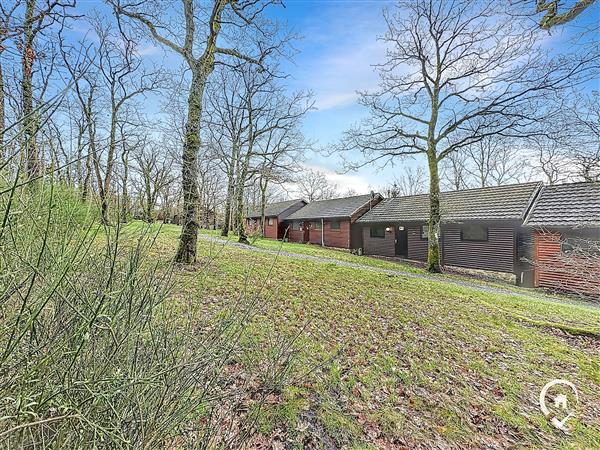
x=341, y=198
x=501, y=186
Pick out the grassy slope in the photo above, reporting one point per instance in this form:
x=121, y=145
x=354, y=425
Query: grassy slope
x=405, y=361
x=315, y=250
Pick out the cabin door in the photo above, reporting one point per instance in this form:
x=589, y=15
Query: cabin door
x=306, y=228
x=401, y=241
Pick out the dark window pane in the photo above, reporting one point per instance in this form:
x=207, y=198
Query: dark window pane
x=474, y=232
x=335, y=225
x=377, y=232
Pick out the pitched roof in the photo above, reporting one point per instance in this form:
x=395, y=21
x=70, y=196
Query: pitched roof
x=567, y=205
x=509, y=202
x=333, y=208
x=273, y=209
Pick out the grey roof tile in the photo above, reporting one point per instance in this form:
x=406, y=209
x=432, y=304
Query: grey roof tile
x=333, y=208
x=273, y=209
x=567, y=205
x=509, y=202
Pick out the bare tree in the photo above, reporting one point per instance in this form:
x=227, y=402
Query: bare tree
x=38, y=16
x=583, y=118
x=495, y=160
x=152, y=166
x=313, y=185
x=268, y=110
x=6, y=30
x=280, y=154
x=551, y=159
x=123, y=79
x=472, y=72
x=454, y=172
x=412, y=181
x=197, y=45
x=227, y=124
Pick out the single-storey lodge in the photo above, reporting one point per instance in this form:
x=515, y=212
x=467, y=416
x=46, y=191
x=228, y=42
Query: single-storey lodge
x=565, y=224
x=546, y=236
x=480, y=228
x=275, y=214
x=330, y=222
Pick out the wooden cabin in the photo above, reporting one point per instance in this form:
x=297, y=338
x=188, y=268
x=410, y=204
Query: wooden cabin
x=330, y=223
x=565, y=227
x=480, y=228
x=275, y=215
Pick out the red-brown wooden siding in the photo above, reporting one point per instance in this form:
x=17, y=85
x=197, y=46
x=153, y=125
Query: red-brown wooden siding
x=417, y=247
x=555, y=272
x=271, y=231
x=384, y=246
x=496, y=254
x=331, y=238
x=294, y=235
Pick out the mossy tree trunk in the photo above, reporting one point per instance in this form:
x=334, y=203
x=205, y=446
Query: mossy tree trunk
x=3, y=153
x=186, y=252
x=33, y=167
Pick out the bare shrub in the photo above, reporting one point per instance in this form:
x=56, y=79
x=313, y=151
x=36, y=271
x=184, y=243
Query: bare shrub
x=95, y=353
x=571, y=262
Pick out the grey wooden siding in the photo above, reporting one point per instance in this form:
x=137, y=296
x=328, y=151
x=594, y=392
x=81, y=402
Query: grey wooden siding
x=496, y=254
x=385, y=246
x=417, y=247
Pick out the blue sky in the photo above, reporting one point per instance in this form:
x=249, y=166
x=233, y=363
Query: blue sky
x=337, y=53
x=336, y=57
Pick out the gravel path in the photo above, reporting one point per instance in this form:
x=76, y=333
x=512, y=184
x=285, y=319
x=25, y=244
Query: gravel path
x=422, y=276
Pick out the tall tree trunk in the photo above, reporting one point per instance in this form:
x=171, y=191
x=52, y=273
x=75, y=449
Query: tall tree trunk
x=230, y=190
x=186, y=252
x=3, y=152
x=88, y=174
x=433, y=235
x=104, y=191
x=241, y=227
x=124, y=193
x=263, y=183
x=29, y=121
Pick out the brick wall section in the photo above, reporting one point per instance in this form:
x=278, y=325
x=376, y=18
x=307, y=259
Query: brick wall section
x=417, y=247
x=379, y=246
x=496, y=254
x=271, y=230
x=332, y=238
x=555, y=271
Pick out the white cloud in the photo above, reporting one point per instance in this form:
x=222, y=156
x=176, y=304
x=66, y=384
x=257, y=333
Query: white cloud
x=148, y=50
x=344, y=182
x=329, y=100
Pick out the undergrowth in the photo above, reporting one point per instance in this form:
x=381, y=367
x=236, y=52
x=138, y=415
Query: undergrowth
x=91, y=352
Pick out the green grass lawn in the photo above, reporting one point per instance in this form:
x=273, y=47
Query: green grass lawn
x=342, y=255
x=393, y=362
x=316, y=250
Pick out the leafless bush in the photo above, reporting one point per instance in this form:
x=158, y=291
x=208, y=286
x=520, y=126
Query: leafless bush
x=569, y=263
x=93, y=351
